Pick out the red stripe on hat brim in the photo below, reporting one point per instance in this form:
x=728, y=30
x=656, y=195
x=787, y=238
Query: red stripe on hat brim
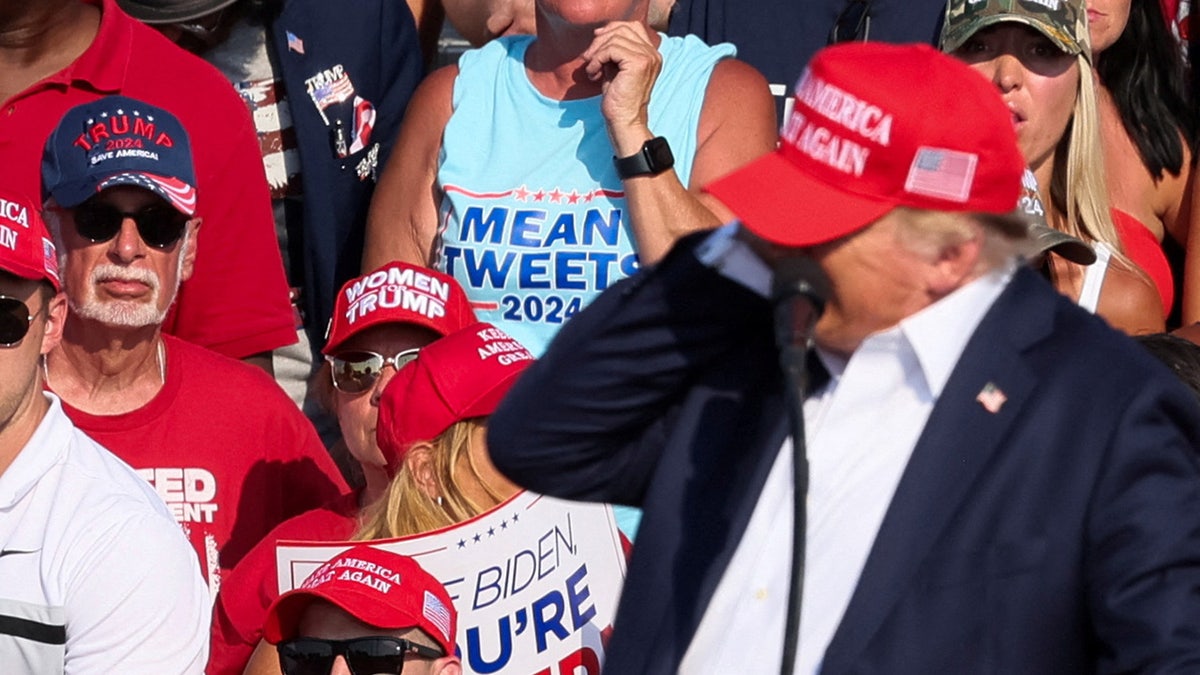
x=784, y=205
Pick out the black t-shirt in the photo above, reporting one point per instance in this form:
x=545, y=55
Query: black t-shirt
x=778, y=37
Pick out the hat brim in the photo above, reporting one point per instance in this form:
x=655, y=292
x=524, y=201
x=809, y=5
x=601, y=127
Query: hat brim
x=1048, y=239
x=182, y=197
x=177, y=193
x=953, y=38
x=380, y=319
x=782, y=204
x=283, y=619
x=178, y=12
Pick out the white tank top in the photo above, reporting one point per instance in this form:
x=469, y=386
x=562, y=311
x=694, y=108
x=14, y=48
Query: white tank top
x=1093, y=277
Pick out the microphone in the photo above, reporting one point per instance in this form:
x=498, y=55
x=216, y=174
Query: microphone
x=798, y=292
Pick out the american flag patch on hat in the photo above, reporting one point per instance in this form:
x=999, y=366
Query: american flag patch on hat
x=941, y=173
x=437, y=613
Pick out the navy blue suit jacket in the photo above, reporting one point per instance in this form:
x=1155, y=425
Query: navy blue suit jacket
x=1060, y=534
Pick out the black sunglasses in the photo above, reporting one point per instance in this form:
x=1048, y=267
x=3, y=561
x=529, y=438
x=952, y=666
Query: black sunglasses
x=15, y=320
x=159, y=225
x=853, y=23
x=356, y=372
x=364, y=656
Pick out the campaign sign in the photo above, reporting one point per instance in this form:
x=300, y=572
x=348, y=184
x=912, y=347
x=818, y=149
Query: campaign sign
x=535, y=581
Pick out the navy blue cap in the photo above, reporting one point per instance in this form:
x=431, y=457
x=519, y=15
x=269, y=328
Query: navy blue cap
x=118, y=140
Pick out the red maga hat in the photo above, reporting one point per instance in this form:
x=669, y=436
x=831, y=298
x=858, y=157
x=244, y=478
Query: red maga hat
x=25, y=246
x=876, y=126
x=398, y=293
x=377, y=587
x=460, y=376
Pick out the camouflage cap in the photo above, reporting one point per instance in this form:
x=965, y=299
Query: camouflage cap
x=1064, y=22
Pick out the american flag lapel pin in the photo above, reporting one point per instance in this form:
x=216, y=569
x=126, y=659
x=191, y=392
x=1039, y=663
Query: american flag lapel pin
x=991, y=398
x=294, y=43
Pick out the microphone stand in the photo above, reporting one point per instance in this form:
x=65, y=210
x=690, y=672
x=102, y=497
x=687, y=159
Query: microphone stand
x=798, y=292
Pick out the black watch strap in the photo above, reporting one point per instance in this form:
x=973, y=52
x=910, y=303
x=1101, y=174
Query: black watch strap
x=654, y=158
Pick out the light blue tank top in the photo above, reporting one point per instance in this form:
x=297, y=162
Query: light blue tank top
x=533, y=217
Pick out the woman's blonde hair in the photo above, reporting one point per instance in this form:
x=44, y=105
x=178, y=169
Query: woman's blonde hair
x=408, y=508
x=1078, y=191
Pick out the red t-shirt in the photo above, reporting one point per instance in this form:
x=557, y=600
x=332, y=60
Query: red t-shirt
x=227, y=450
x=236, y=302
x=248, y=591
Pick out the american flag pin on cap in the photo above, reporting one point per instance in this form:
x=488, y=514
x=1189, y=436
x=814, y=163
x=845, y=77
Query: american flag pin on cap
x=991, y=398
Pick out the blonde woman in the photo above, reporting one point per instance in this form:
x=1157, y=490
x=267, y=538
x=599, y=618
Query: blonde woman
x=432, y=426
x=1040, y=60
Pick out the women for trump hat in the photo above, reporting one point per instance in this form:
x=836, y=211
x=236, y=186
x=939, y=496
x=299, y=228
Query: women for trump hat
x=398, y=293
x=877, y=126
x=25, y=246
x=458, y=377
x=379, y=588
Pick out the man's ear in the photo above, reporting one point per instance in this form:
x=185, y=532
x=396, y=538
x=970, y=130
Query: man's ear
x=419, y=463
x=447, y=665
x=56, y=316
x=955, y=265
x=189, y=252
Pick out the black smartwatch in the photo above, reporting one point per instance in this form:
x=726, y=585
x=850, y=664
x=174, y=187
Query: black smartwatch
x=654, y=158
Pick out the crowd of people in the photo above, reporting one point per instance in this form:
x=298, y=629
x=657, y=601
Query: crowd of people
x=829, y=302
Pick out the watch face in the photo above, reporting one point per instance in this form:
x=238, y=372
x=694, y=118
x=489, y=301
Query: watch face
x=661, y=158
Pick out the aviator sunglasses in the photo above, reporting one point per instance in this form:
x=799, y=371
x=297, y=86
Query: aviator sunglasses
x=15, y=320
x=364, y=656
x=356, y=372
x=160, y=225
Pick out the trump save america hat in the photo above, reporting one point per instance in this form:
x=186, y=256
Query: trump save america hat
x=398, y=293
x=379, y=588
x=117, y=140
x=25, y=246
x=863, y=139
x=458, y=377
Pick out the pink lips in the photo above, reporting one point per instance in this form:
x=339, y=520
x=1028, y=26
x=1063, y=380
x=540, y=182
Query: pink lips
x=121, y=287
x=1017, y=118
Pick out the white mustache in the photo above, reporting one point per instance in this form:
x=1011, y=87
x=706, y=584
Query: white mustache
x=109, y=272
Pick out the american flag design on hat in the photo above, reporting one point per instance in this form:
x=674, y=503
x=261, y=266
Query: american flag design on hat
x=181, y=195
x=436, y=612
x=49, y=258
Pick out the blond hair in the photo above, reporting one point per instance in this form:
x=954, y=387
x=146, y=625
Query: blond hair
x=1078, y=190
x=408, y=508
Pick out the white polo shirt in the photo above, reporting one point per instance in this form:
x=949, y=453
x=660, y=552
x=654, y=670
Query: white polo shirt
x=95, y=576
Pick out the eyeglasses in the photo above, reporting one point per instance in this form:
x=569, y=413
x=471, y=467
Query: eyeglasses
x=853, y=23
x=356, y=372
x=364, y=656
x=15, y=320
x=159, y=225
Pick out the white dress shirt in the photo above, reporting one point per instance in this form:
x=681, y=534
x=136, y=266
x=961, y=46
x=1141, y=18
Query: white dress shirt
x=861, y=429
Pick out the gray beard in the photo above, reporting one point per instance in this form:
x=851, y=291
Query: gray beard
x=126, y=313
